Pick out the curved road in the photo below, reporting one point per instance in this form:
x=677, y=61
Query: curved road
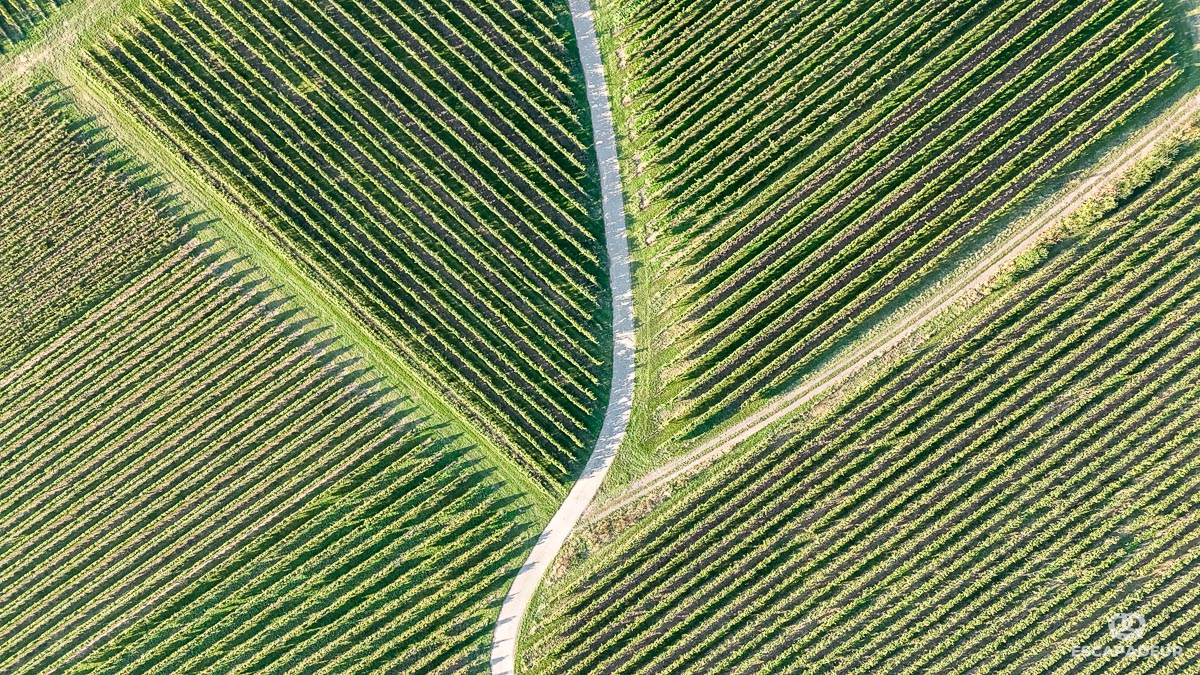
x=616, y=417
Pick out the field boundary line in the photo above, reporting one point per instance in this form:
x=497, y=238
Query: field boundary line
x=620, y=400
x=59, y=50
x=977, y=276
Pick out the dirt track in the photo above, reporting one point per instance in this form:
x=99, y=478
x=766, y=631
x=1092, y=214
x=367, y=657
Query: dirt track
x=1029, y=234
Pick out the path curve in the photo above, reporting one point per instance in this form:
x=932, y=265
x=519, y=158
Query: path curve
x=620, y=401
x=1029, y=234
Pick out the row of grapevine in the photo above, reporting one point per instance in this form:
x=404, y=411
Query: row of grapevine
x=809, y=171
x=427, y=163
x=976, y=508
x=72, y=231
x=200, y=478
x=18, y=17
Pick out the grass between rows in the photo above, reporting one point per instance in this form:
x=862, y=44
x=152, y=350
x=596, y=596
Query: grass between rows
x=52, y=51
x=644, y=452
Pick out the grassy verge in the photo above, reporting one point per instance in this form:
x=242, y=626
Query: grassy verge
x=650, y=445
x=54, y=50
x=639, y=453
x=236, y=227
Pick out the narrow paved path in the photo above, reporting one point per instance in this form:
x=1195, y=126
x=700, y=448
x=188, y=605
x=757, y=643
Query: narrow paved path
x=616, y=417
x=1029, y=234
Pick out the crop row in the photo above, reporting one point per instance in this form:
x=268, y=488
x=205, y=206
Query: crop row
x=875, y=240
x=197, y=477
x=87, y=230
x=963, y=511
x=403, y=157
x=918, y=247
x=18, y=17
x=815, y=167
x=940, y=359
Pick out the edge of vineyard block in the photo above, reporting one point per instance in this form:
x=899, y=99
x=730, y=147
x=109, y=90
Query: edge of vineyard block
x=636, y=461
x=93, y=98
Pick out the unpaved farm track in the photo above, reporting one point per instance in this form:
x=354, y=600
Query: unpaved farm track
x=974, y=279
x=620, y=401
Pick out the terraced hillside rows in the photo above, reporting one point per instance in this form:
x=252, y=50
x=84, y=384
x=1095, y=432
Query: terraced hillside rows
x=200, y=478
x=18, y=17
x=982, y=507
x=429, y=163
x=72, y=231
x=804, y=169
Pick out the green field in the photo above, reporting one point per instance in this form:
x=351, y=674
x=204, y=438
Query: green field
x=444, y=194
x=802, y=173
x=72, y=231
x=311, y=361
x=19, y=17
x=980, y=507
x=200, y=476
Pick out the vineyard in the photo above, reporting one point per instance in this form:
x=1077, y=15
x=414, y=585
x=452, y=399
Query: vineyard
x=978, y=507
x=18, y=17
x=429, y=164
x=803, y=172
x=322, y=323
x=71, y=230
x=199, y=476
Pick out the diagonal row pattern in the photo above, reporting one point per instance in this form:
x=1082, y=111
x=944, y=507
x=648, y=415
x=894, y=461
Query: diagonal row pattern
x=197, y=478
x=974, y=509
x=428, y=163
x=71, y=230
x=815, y=165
